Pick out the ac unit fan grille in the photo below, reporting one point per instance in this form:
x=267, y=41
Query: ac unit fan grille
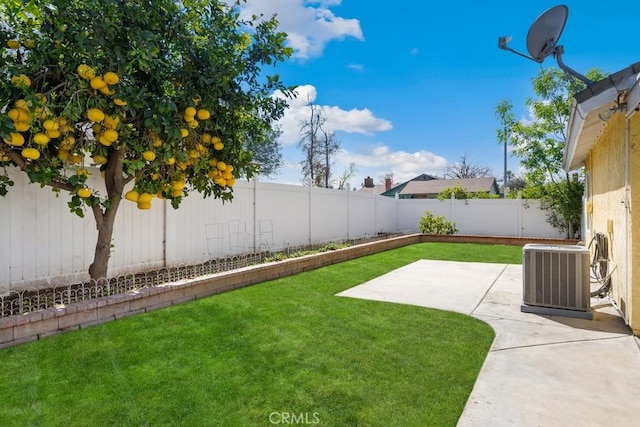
x=556, y=277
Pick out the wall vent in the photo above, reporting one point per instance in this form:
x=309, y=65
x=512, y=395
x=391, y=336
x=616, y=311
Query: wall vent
x=556, y=280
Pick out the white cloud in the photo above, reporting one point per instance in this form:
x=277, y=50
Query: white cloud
x=404, y=166
x=310, y=25
x=360, y=121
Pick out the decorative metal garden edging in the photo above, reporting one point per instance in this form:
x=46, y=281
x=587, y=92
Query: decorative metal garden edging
x=18, y=302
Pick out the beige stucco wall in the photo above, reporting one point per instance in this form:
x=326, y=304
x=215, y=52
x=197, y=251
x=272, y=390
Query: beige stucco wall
x=634, y=194
x=608, y=213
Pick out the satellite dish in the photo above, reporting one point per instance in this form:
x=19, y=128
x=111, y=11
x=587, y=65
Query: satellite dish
x=542, y=39
x=546, y=31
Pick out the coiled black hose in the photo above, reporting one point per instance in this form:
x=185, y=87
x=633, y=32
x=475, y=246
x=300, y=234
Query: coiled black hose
x=600, y=264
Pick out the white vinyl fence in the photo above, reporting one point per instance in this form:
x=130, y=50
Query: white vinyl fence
x=42, y=243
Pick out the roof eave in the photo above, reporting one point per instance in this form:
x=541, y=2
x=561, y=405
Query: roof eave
x=585, y=122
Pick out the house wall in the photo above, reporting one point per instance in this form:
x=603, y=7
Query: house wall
x=634, y=233
x=608, y=214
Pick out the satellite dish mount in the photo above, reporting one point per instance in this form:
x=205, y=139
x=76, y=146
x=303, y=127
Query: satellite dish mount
x=542, y=40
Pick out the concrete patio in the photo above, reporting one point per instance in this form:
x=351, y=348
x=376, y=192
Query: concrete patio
x=541, y=370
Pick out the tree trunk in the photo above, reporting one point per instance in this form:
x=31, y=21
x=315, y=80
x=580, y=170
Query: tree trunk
x=100, y=265
x=114, y=183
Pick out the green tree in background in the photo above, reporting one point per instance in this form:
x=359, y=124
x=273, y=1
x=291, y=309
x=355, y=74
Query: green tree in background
x=540, y=146
x=161, y=94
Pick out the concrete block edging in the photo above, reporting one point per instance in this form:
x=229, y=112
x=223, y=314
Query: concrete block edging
x=37, y=325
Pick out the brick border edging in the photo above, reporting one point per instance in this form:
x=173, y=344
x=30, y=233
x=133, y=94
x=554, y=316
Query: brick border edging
x=36, y=325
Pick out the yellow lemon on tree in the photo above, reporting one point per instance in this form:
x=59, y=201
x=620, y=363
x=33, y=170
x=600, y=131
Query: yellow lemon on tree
x=13, y=44
x=43, y=112
x=193, y=124
x=221, y=166
x=21, y=126
x=95, y=115
x=231, y=182
x=104, y=141
x=53, y=133
x=21, y=80
x=111, y=78
x=203, y=114
x=75, y=158
x=149, y=155
x=144, y=205
x=206, y=138
x=83, y=192
x=119, y=102
x=41, y=138
x=111, y=122
x=184, y=132
x=110, y=135
x=50, y=124
x=155, y=176
x=63, y=154
x=97, y=83
x=106, y=91
x=132, y=195
x=99, y=159
x=85, y=72
x=145, y=198
x=67, y=142
x=157, y=142
x=176, y=193
x=190, y=111
x=21, y=103
x=31, y=153
x=218, y=146
x=170, y=161
x=19, y=115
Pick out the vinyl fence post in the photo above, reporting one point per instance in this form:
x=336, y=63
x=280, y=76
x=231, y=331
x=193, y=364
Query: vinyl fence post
x=255, y=213
x=453, y=208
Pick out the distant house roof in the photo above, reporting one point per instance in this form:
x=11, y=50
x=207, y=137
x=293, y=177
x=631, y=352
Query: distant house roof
x=377, y=189
x=434, y=187
x=591, y=107
x=397, y=188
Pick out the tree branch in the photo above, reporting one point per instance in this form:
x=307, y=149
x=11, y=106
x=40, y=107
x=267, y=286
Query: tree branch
x=22, y=164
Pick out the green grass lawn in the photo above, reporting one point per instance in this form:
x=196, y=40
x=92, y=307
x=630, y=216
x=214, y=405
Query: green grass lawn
x=287, y=346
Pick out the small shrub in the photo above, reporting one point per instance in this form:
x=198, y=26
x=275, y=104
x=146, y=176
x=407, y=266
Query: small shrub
x=430, y=224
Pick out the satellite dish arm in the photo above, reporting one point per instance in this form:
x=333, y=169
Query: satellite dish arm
x=557, y=52
x=502, y=44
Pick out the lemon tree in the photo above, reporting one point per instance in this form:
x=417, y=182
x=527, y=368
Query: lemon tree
x=162, y=94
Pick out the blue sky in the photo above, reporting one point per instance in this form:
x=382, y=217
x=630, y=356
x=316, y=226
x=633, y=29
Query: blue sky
x=411, y=86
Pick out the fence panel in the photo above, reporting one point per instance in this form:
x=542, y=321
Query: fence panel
x=43, y=244
x=328, y=215
x=362, y=214
x=283, y=209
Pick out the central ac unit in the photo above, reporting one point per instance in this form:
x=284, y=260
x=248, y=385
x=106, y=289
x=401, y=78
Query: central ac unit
x=556, y=280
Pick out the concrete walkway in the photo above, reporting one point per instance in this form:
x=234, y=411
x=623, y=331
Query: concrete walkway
x=541, y=370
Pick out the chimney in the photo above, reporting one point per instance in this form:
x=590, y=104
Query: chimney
x=368, y=182
x=387, y=184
